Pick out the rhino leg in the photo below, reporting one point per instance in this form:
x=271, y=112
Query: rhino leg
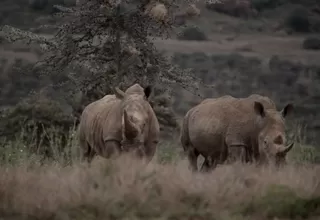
x=193, y=158
x=247, y=157
x=210, y=162
x=150, y=150
x=88, y=152
x=207, y=165
x=111, y=148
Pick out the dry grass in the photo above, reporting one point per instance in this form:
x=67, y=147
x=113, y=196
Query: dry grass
x=125, y=188
x=128, y=189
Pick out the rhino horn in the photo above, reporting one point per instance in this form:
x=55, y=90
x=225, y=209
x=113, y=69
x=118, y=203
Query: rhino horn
x=130, y=129
x=119, y=93
x=285, y=150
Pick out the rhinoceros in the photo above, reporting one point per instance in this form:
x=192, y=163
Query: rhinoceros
x=119, y=123
x=253, y=123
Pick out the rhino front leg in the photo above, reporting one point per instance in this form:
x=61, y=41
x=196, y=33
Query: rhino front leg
x=150, y=150
x=111, y=149
x=248, y=155
x=88, y=152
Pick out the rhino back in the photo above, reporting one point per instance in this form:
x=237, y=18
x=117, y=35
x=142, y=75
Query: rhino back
x=208, y=123
x=100, y=120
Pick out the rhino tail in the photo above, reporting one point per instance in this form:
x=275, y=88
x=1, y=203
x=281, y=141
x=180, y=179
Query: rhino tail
x=184, y=135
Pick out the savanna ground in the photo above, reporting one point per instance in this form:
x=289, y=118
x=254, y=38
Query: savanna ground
x=237, y=57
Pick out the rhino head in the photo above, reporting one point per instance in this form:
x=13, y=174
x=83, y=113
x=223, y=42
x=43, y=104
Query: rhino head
x=135, y=117
x=271, y=137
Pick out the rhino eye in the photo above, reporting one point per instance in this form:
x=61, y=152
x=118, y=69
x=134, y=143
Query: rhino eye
x=265, y=143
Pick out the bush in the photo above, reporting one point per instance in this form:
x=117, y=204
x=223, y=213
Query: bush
x=311, y=43
x=32, y=119
x=298, y=20
x=192, y=33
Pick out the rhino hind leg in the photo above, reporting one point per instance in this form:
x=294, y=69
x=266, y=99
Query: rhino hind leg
x=211, y=162
x=207, y=165
x=193, y=154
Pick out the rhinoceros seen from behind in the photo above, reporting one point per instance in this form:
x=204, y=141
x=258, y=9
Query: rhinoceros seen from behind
x=253, y=123
x=121, y=122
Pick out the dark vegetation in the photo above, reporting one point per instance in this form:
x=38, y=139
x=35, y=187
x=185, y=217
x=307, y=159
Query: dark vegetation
x=192, y=33
x=312, y=43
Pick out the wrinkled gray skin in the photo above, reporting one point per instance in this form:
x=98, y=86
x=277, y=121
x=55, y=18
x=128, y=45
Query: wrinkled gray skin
x=117, y=123
x=252, y=123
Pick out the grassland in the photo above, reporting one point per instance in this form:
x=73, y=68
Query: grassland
x=125, y=188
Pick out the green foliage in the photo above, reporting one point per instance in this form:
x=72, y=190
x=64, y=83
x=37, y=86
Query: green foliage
x=282, y=202
x=168, y=152
x=261, y=5
x=305, y=154
x=311, y=43
x=298, y=20
x=192, y=33
x=29, y=147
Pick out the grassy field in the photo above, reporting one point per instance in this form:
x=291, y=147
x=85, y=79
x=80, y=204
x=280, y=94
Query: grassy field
x=125, y=188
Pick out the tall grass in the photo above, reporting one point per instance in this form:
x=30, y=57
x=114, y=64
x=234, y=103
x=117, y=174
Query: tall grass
x=124, y=188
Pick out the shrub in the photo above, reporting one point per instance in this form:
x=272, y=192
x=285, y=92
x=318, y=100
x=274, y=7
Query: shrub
x=311, y=43
x=315, y=24
x=32, y=119
x=298, y=20
x=192, y=33
x=38, y=4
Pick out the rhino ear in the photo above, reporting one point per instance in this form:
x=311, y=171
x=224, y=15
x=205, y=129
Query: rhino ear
x=147, y=91
x=259, y=109
x=118, y=93
x=130, y=130
x=287, y=110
